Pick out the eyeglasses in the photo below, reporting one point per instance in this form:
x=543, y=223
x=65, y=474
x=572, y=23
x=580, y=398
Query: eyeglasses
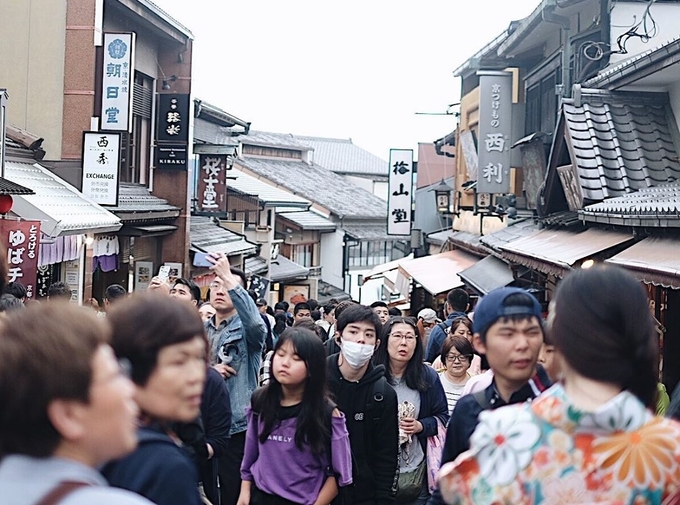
x=410, y=338
x=460, y=358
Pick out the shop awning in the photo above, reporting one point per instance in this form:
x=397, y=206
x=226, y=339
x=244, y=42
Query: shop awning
x=381, y=270
x=437, y=273
x=487, y=274
x=61, y=208
x=554, y=252
x=328, y=291
x=652, y=260
x=209, y=237
x=308, y=220
x=282, y=269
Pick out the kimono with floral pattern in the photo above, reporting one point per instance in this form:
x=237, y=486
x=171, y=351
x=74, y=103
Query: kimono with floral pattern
x=549, y=452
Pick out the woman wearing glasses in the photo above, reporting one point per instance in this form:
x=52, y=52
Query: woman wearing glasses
x=422, y=403
x=456, y=357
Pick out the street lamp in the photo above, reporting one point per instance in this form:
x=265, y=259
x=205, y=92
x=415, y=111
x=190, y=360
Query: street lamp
x=442, y=194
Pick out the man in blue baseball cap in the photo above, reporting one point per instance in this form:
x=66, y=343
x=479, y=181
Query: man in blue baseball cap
x=508, y=329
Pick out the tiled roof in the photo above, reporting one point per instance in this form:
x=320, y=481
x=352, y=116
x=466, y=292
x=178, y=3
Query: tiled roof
x=370, y=231
x=658, y=206
x=271, y=139
x=282, y=269
x=60, y=207
x=319, y=185
x=207, y=236
x=255, y=265
x=342, y=156
x=440, y=237
x=211, y=133
x=266, y=193
x=621, y=142
x=136, y=203
x=308, y=220
x=328, y=291
x=513, y=231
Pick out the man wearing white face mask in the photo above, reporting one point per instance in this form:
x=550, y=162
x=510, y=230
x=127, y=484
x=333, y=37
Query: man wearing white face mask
x=369, y=404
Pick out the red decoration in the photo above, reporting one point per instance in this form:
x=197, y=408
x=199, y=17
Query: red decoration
x=6, y=203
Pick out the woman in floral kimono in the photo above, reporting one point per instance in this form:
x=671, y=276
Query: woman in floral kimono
x=591, y=438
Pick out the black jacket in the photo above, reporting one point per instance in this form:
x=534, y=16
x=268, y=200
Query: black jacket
x=374, y=442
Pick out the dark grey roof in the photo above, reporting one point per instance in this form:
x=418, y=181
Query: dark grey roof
x=488, y=274
x=136, y=203
x=308, y=220
x=513, y=231
x=319, y=185
x=655, y=207
x=328, y=291
x=470, y=242
x=206, y=236
x=282, y=269
x=621, y=142
x=211, y=133
x=255, y=265
x=267, y=194
x=342, y=156
x=370, y=231
x=271, y=139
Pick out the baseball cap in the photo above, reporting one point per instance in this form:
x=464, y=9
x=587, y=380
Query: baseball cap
x=428, y=315
x=492, y=307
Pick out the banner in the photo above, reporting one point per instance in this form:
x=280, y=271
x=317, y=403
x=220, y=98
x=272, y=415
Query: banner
x=101, y=161
x=22, y=243
x=212, y=183
x=118, y=74
x=400, y=192
x=495, y=129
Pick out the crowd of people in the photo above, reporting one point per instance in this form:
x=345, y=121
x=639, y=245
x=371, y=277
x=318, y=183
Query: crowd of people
x=165, y=398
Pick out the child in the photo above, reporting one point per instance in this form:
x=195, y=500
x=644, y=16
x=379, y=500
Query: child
x=297, y=446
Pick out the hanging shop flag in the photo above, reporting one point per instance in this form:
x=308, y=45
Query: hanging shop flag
x=400, y=193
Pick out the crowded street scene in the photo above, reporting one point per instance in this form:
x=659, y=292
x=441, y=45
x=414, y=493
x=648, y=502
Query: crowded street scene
x=304, y=253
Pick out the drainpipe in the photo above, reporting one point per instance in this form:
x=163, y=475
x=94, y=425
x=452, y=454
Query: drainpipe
x=549, y=16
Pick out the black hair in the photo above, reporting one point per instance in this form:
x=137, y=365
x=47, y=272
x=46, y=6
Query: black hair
x=516, y=300
x=193, y=288
x=313, y=304
x=313, y=421
x=301, y=306
x=340, y=307
x=114, y=292
x=9, y=302
x=378, y=304
x=16, y=289
x=355, y=313
x=316, y=314
x=285, y=305
x=413, y=375
x=461, y=344
x=140, y=338
x=393, y=311
x=458, y=299
x=328, y=308
x=604, y=329
x=280, y=322
x=241, y=275
x=280, y=306
x=59, y=290
x=458, y=321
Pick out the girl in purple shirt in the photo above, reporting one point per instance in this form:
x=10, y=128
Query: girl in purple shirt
x=297, y=446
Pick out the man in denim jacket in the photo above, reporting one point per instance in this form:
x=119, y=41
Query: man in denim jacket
x=237, y=334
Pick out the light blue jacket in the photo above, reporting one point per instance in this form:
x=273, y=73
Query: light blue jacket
x=238, y=342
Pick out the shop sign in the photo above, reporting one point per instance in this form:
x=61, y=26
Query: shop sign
x=171, y=156
x=22, y=243
x=212, y=183
x=101, y=161
x=117, y=81
x=400, y=192
x=495, y=130
x=172, y=118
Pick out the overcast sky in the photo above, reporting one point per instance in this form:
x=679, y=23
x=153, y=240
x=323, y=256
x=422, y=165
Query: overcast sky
x=356, y=69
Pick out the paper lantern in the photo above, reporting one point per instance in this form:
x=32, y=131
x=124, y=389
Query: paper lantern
x=6, y=203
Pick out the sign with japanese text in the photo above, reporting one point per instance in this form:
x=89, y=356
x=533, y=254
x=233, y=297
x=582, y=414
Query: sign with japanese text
x=495, y=129
x=212, y=183
x=400, y=192
x=173, y=118
x=171, y=156
x=22, y=242
x=118, y=74
x=101, y=160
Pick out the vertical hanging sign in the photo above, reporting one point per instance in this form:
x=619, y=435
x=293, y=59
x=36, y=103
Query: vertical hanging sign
x=101, y=161
x=400, y=192
x=118, y=73
x=212, y=183
x=22, y=242
x=495, y=129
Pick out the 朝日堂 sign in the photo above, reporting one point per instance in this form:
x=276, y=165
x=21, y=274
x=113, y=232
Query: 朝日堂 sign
x=22, y=242
x=495, y=130
x=117, y=81
x=400, y=192
x=101, y=159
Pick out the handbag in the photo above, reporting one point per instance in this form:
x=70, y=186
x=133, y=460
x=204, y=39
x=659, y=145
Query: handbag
x=410, y=484
x=435, y=447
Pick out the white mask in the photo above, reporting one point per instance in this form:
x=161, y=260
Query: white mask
x=357, y=355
